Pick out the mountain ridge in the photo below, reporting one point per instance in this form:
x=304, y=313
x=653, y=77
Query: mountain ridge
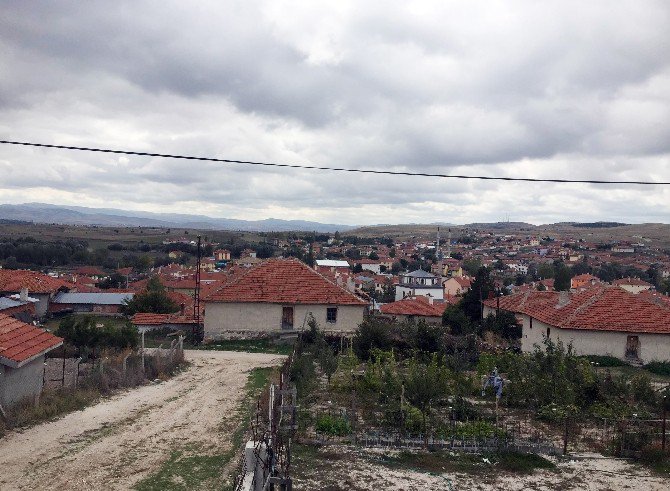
x=111, y=217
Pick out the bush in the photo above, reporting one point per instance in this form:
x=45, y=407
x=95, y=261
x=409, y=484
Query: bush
x=371, y=334
x=83, y=333
x=521, y=462
x=333, y=425
x=605, y=361
x=659, y=367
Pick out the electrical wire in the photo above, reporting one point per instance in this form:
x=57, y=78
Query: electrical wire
x=335, y=169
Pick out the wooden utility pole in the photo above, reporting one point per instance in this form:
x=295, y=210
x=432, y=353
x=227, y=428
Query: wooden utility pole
x=196, y=296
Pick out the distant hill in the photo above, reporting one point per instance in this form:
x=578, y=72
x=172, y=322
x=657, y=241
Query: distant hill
x=109, y=217
x=599, y=225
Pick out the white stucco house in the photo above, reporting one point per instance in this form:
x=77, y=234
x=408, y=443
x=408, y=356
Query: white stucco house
x=421, y=283
x=279, y=295
x=603, y=320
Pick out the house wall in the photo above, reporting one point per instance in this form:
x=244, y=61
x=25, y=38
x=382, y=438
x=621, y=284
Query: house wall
x=452, y=288
x=20, y=383
x=402, y=291
x=375, y=268
x=635, y=288
x=613, y=343
x=266, y=317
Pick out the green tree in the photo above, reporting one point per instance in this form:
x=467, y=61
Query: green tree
x=84, y=333
x=545, y=271
x=424, y=386
x=371, y=334
x=471, y=266
x=562, y=277
x=504, y=323
x=457, y=321
x=327, y=361
x=482, y=288
x=154, y=300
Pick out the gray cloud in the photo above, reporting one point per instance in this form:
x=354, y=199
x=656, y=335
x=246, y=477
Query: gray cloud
x=509, y=89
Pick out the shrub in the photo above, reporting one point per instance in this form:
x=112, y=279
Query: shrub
x=605, y=361
x=333, y=425
x=371, y=334
x=658, y=367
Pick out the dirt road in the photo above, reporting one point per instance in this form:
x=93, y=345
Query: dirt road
x=122, y=440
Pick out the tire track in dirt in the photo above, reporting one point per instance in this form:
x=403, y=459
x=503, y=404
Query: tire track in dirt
x=120, y=440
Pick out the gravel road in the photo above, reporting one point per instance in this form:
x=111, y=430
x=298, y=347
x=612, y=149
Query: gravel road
x=119, y=441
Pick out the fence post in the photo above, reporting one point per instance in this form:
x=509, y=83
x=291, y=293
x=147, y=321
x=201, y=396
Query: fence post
x=63, y=379
x=665, y=412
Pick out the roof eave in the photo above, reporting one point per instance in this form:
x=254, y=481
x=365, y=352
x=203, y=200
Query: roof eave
x=18, y=364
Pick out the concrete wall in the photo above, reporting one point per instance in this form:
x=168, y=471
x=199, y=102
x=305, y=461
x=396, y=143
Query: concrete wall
x=20, y=383
x=266, y=317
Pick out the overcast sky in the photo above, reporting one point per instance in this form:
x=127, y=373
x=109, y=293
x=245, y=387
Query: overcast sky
x=502, y=88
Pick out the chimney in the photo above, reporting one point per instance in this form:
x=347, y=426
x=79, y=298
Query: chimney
x=430, y=299
x=563, y=299
x=182, y=308
x=23, y=296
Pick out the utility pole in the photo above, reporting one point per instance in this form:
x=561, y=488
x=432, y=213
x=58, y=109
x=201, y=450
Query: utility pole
x=196, y=297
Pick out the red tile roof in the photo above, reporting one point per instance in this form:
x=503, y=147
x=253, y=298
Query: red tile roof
x=13, y=280
x=413, y=306
x=21, y=342
x=601, y=308
x=284, y=281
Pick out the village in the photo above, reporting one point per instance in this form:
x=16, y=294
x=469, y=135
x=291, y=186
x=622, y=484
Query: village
x=447, y=309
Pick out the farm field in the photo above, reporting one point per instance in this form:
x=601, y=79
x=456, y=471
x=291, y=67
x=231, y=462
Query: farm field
x=177, y=434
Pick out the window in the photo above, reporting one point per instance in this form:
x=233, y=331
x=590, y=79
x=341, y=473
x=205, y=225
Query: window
x=331, y=315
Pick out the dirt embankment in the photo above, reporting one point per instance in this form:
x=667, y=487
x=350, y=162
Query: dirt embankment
x=121, y=440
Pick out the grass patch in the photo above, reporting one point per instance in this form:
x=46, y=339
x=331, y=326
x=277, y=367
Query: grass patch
x=659, y=368
x=440, y=462
x=251, y=346
x=248, y=346
x=605, y=361
x=184, y=472
x=191, y=468
x=53, y=403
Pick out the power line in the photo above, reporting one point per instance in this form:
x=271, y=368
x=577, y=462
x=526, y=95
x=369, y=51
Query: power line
x=336, y=169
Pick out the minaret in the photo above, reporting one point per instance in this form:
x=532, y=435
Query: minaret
x=437, y=247
x=449, y=244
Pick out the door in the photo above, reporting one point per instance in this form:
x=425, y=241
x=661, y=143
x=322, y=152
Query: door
x=287, y=318
x=633, y=347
